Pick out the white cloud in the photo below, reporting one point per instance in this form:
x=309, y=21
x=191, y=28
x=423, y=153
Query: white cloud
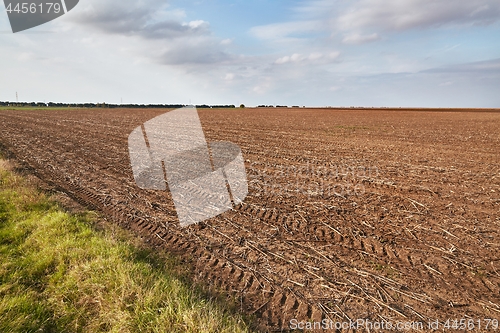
x=398, y=15
x=334, y=55
x=263, y=87
x=286, y=29
x=293, y=58
x=363, y=18
x=315, y=56
x=154, y=31
x=26, y=56
x=282, y=60
x=311, y=58
x=488, y=66
x=197, y=24
x=360, y=39
x=146, y=22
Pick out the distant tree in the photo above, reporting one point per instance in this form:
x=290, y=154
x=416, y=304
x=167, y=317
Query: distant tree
x=242, y=106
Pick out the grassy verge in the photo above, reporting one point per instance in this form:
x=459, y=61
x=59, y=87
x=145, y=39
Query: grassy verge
x=59, y=274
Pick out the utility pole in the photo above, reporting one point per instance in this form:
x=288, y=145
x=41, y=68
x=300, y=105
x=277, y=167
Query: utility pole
x=17, y=98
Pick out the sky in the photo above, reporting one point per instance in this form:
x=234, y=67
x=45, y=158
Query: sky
x=403, y=53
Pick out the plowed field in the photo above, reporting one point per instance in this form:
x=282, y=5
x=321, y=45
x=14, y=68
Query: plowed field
x=380, y=214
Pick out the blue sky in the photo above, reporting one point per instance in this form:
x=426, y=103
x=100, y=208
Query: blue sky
x=423, y=53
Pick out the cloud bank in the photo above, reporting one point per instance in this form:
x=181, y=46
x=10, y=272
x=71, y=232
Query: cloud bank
x=152, y=26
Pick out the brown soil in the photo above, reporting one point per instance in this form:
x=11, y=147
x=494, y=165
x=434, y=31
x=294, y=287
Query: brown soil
x=380, y=214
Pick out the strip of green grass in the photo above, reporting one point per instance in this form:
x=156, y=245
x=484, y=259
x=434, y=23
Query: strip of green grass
x=58, y=274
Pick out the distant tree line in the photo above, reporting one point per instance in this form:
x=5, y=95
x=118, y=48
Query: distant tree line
x=277, y=106
x=105, y=105
x=215, y=106
x=22, y=104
